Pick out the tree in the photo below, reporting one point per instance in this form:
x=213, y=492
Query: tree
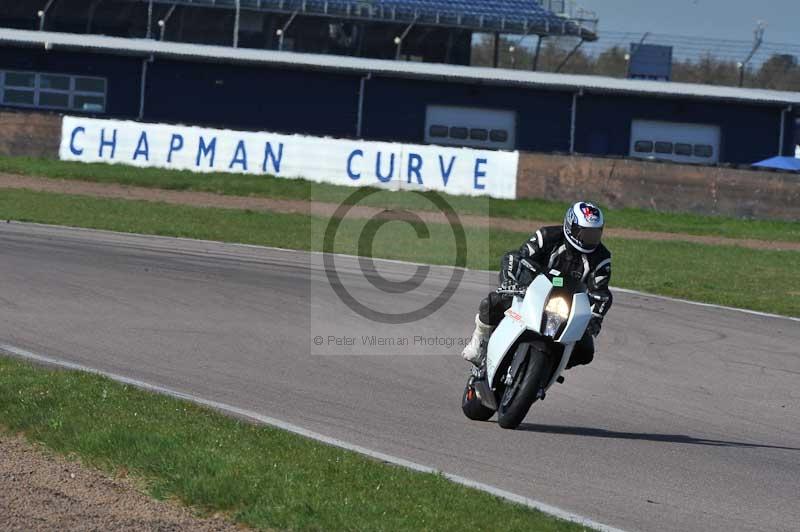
x=612, y=62
x=780, y=72
x=708, y=70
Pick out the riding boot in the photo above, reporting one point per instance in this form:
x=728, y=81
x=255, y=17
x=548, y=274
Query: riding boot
x=475, y=350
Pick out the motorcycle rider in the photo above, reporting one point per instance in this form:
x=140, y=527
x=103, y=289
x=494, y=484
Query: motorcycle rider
x=573, y=249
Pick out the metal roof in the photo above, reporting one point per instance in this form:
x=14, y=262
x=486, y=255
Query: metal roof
x=507, y=16
x=492, y=76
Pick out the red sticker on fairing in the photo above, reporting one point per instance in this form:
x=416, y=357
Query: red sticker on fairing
x=513, y=315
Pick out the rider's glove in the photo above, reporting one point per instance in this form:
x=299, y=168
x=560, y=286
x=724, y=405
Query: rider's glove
x=595, y=324
x=600, y=302
x=509, y=284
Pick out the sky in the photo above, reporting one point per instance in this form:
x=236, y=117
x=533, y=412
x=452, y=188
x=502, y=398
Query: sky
x=719, y=19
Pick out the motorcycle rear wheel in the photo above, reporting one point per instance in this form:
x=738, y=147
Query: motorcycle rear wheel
x=472, y=406
x=537, y=369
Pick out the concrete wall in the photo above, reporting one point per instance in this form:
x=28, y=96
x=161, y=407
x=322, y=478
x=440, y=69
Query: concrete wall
x=30, y=134
x=660, y=186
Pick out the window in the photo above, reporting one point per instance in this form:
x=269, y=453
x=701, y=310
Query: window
x=19, y=79
x=703, y=150
x=90, y=85
x=54, y=99
x=438, y=131
x=643, y=146
x=498, y=135
x=53, y=91
x=94, y=104
x=18, y=97
x=458, y=133
x=478, y=134
x=683, y=149
x=49, y=81
x=663, y=147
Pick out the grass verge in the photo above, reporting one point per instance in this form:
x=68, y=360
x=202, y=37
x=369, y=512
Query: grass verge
x=726, y=275
x=261, y=476
x=298, y=189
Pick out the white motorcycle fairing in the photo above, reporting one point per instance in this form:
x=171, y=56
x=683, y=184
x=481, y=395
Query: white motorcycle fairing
x=527, y=314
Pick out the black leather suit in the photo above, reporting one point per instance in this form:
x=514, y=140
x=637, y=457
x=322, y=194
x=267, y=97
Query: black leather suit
x=546, y=250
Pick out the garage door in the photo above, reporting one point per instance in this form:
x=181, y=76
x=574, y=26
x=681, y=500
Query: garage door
x=675, y=141
x=470, y=126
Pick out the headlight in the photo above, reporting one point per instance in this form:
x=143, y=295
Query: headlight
x=556, y=312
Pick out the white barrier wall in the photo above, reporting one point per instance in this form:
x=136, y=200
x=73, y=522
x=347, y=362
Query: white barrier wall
x=342, y=162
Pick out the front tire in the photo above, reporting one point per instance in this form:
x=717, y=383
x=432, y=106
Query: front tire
x=511, y=412
x=472, y=406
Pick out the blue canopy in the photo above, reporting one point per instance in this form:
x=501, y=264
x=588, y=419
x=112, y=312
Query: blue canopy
x=791, y=164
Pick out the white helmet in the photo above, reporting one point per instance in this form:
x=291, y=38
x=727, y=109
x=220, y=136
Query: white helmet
x=583, y=226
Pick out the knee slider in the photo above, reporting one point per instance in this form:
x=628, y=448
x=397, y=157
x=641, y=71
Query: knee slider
x=485, y=310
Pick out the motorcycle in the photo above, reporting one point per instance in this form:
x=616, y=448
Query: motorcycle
x=529, y=349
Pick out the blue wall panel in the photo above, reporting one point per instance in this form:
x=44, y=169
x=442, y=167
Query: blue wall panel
x=326, y=103
x=749, y=133
x=394, y=109
x=252, y=97
x=122, y=72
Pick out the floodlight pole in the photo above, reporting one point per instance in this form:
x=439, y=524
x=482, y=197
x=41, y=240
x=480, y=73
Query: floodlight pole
x=569, y=56
x=282, y=31
x=536, y=55
x=90, y=15
x=496, y=55
x=398, y=41
x=42, y=13
x=236, y=24
x=641, y=42
x=149, y=33
x=759, y=39
x=636, y=51
x=162, y=23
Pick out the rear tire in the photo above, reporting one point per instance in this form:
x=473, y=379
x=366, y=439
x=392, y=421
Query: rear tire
x=537, y=369
x=472, y=406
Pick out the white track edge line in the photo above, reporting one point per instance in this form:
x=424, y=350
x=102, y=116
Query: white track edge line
x=67, y=228
x=289, y=427
x=706, y=305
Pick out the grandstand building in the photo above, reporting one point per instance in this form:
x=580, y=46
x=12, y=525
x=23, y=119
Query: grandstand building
x=62, y=64
x=438, y=31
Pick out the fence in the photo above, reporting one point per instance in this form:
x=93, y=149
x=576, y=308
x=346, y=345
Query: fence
x=695, y=59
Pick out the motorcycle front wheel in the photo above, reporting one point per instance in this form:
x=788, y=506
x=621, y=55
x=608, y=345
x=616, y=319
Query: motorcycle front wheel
x=520, y=395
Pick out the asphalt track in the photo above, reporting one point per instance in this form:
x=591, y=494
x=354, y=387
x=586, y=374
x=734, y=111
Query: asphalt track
x=687, y=420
